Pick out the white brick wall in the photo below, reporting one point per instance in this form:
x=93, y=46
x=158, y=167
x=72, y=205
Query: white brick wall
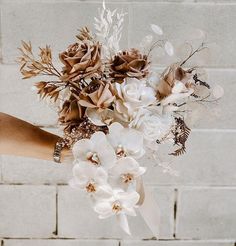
x=198, y=208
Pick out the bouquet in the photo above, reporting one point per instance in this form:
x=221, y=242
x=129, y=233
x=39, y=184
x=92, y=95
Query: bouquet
x=114, y=109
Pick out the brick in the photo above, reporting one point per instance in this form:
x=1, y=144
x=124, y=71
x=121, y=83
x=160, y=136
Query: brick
x=46, y=24
x=1, y=169
x=22, y=170
x=33, y=171
x=206, y=213
x=17, y=98
x=209, y=160
x=76, y=218
x=180, y=20
x=215, y=115
x=60, y=242
x=27, y=211
x=176, y=243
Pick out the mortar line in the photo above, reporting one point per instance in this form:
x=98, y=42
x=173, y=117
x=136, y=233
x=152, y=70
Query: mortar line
x=56, y=226
x=175, y=210
x=187, y=186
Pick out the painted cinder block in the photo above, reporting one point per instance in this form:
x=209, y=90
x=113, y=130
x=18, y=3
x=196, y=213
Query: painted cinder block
x=48, y=22
x=76, y=218
x=176, y=243
x=206, y=213
x=60, y=242
x=181, y=23
x=210, y=160
x=27, y=211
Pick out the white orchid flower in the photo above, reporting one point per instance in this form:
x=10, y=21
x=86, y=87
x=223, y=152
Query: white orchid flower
x=96, y=151
x=125, y=141
x=91, y=179
x=121, y=204
x=126, y=171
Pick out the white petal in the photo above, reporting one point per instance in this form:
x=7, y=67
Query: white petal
x=129, y=199
x=104, y=192
x=104, y=150
x=140, y=171
x=156, y=29
x=173, y=98
x=217, y=92
x=169, y=48
x=178, y=87
x=94, y=116
x=103, y=208
x=81, y=148
x=130, y=211
x=101, y=175
x=123, y=222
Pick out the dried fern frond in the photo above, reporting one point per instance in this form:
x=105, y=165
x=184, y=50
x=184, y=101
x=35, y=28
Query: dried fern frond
x=181, y=133
x=179, y=151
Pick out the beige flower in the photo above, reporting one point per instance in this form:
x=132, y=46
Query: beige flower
x=100, y=98
x=81, y=60
x=71, y=111
x=169, y=77
x=129, y=64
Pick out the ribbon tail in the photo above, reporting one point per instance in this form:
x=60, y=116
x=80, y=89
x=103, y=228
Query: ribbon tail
x=123, y=222
x=149, y=209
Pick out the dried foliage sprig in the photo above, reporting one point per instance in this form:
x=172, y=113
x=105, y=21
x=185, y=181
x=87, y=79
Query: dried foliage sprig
x=181, y=133
x=31, y=66
x=109, y=26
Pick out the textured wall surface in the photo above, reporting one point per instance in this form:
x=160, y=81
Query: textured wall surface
x=198, y=208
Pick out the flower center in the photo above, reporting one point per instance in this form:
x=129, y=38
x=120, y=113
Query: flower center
x=116, y=207
x=127, y=178
x=90, y=188
x=120, y=151
x=93, y=157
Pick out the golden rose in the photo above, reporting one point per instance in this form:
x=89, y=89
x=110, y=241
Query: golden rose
x=71, y=111
x=81, y=60
x=129, y=64
x=100, y=96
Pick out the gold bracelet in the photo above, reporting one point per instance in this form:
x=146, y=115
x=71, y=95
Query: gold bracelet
x=60, y=144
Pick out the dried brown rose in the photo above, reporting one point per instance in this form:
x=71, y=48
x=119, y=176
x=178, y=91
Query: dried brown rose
x=71, y=111
x=81, y=60
x=129, y=64
x=100, y=97
x=168, y=78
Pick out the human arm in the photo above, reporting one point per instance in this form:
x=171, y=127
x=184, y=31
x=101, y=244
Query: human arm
x=18, y=137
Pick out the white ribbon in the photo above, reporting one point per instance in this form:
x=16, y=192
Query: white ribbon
x=148, y=207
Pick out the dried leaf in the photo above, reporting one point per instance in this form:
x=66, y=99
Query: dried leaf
x=169, y=48
x=156, y=29
x=217, y=92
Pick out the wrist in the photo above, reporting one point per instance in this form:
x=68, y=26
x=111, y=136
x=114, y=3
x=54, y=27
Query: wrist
x=66, y=155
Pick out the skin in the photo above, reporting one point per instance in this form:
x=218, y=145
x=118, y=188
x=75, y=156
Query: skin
x=18, y=137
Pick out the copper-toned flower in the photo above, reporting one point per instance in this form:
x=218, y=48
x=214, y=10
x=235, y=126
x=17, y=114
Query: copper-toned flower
x=81, y=60
x=129, y=64
x=71, y=111
x=98, y=95
x=168, y=78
